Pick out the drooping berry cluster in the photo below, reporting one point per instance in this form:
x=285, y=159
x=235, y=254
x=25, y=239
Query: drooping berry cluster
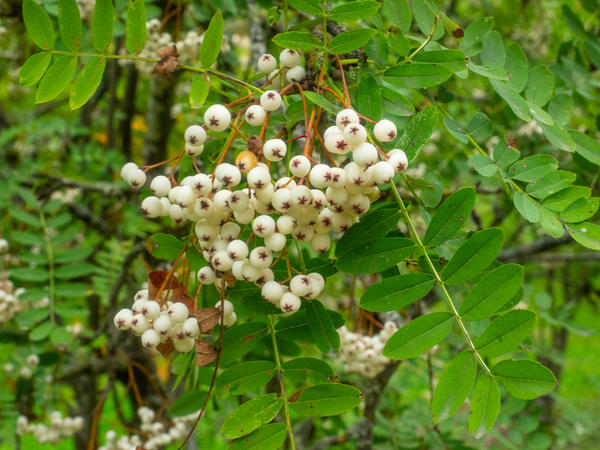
x=58, y=429
x=155, y=434
x=363, y=354
x=158, y=323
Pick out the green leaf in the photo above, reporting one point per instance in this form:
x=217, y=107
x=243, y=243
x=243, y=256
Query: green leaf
x=492, y=50
x=417, y=75
x=586, y=233
x=23, y=237
x=251, y=415
x=524, y=379
x=199, y=90
x=505, y=333
x=418, y=335
x=87, y=81
x=540, y=86
x=450, y=217
x=75, y=270
x=308, y=6
x=396, y=292
x=562, y=199
x=376, y=255
x=511, y=96
x=541, y=116
x=297, y=40
x=72, y=290
x=38, y=24
x=398, y=12
x=164, y=246
x=505, y=155
x=57, y=78
x=561, y=108
x=550, y=223
x=586, y=146
x=580, y=210
x=533, y=167
x=572, y=20
x=34, y=68
x=517, y=66
x=28, y=274
x=377, y=49
x=375, y=224
x=25, y=217
x=61, y=337
x=474, y=35
x=480, y=126
x=247, y=376
x=368, y=97
x=492, y=292
x=454, y=386
x=550, y=183
x=485, y=405
x=321, y=101
x=424, y=12
x=526, y=207
x=350, y=40
x=559, y=137
x=69, y=24
x=240, y=339
x=454, y=60
x=267, y=437
x=484, y=165
x=417, y=132
x=42, y=331
x=30, y=317
x=213, y=38
x=474, y=256
x=328, y=399
x=187, y=403
x=456, y=129
x=312, y=370
x=399, y=44
x=493, y=73
x=353, y=11
x=396, y=103
x=72, y=254
x=321, y=327
x=102, y=25
x=135, y=27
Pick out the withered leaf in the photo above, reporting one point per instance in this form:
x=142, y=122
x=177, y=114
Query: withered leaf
x=207, y=318
x=165, y=348
x=180, y=295
x=294, y=396
x=205, y=352
x=156, y=278
x=168, y=61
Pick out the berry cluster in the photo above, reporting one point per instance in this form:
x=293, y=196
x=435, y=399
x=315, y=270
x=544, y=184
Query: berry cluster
x=155, y=434
x=289, y=65
x=10, y=305
x=158, y=323
x=363, y=354
x=59, y=428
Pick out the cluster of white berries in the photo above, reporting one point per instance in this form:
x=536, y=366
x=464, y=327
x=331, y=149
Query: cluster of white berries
x=306, y=207
x=59, y=428
x=289, y=65
x=156, y=323
x=25, y=371
x=156, y=434
x=188, y=47
x=363, y=354
x=4, y=245
x=10, y=304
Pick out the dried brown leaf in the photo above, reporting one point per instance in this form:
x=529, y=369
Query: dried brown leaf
x=205, y=353
x=165, y=348
x=168, y=61
x=208, y=318
x=156, y=278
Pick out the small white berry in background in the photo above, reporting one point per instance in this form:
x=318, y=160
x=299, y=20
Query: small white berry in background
x=255, y=115
x=267, y=63
x=345, y=117
x=365, y=155
x=398, y=160
x=227, y=307
x=290, y=303
x=221, y=261
x=217, y=118
x=237, y=250
x=151, y=207
x=183, y=346
x=150, y=338
x=272, y=291
x=195, y=135
x=259, y=177
x=137, y=178
x=275, y=79
x=206, y=275
x=190, y=327
x=385, y=131
x=274, y=149
x=275, y=242
x=230, y=231
x=261, y=257
x=228, y=174
x=178, y=312
x=270, y=100
x=160, y=186
x=4, y=246
x=289, y=58
x=299, y=166
x=194, y=150
x=320, y=175
x=382, y=172
x=263, y=226
x=301, y=285
x=285, y=224
x=139, y=323
x=320, y=243
x=151, y=310
x=229, y=320
x=295, y=74
x=33, y=360
x=127, y=170
x=355, y=134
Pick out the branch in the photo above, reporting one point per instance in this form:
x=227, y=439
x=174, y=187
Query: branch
x=523, y=252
